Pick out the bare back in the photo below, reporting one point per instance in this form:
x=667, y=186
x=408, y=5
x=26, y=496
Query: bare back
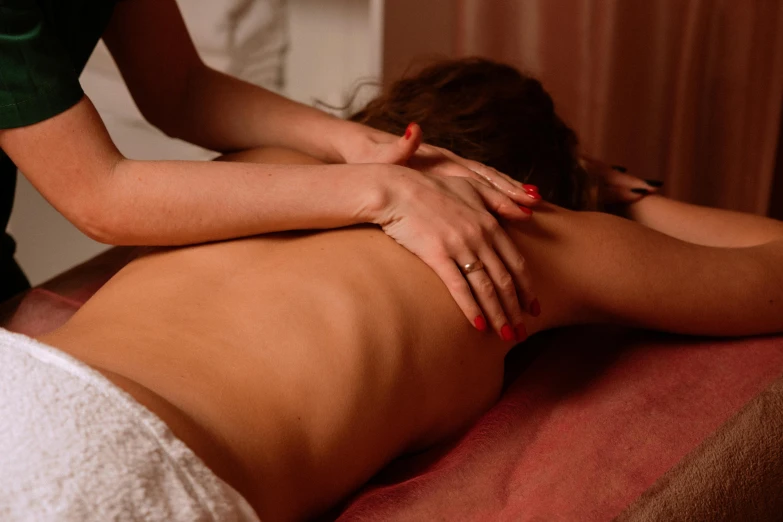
x=295, y=365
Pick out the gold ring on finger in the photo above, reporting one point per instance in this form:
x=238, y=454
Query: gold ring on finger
x=472, y=267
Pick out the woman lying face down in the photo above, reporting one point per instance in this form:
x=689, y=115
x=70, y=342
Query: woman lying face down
x=297, y=365
x=491, y=113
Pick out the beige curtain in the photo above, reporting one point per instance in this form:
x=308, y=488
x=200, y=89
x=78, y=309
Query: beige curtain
x=688, y=91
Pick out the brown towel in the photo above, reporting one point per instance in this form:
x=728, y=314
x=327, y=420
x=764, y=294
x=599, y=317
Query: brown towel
x=735, y=474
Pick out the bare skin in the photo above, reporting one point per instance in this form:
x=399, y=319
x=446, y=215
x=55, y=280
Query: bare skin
x=298, y=365
x=373, y=176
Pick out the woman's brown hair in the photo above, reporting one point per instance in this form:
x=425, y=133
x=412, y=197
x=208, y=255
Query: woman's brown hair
x=491, y=113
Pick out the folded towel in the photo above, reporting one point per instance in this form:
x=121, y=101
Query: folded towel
x=735, y=474
x=74, y=447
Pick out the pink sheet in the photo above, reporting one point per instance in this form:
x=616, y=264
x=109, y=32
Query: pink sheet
x=583, y=430
x=591, y=417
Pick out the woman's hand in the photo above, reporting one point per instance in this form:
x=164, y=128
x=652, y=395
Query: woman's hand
x=616, y=188
x=367, y=145
x=445, y=221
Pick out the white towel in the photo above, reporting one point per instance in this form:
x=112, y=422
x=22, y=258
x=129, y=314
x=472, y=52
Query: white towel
x=75, y=447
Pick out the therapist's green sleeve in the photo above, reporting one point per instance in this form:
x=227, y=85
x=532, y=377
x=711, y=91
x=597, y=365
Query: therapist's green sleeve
x=37, y=76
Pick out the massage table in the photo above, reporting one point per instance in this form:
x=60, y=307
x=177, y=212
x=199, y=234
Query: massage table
x=595, y=424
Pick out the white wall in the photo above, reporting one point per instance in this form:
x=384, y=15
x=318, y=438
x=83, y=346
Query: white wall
x=335, y=46
x=331, y=44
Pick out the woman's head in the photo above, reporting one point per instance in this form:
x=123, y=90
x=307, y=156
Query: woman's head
x=491, y=113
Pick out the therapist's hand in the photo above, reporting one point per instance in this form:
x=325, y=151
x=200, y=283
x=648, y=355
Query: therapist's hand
x=446, y=221
x=367, y=145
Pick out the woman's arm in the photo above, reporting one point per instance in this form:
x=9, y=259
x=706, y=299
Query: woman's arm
x=703, y=225
x=637, y=199
x=602, y=268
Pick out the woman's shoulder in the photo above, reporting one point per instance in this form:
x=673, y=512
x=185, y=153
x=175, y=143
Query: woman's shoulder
x=591, y=267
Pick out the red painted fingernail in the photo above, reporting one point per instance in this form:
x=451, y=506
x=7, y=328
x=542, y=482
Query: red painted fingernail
x=533, y=195
x=530, y=188
x=521, y=332
x=409, y=131
x=526, y=210
x=481, y=324
x=535, y=308
x=506, y=333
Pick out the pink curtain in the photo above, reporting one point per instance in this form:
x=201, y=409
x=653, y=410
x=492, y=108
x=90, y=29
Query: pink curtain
x=688, y=91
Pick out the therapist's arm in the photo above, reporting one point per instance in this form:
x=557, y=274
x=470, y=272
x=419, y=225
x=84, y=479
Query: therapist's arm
x=186, y=99
x=72, y=161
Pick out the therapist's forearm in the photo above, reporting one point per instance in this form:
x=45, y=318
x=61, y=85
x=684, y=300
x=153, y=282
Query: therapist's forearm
x=181, y=202
x=73, y=163
x=223, y=113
